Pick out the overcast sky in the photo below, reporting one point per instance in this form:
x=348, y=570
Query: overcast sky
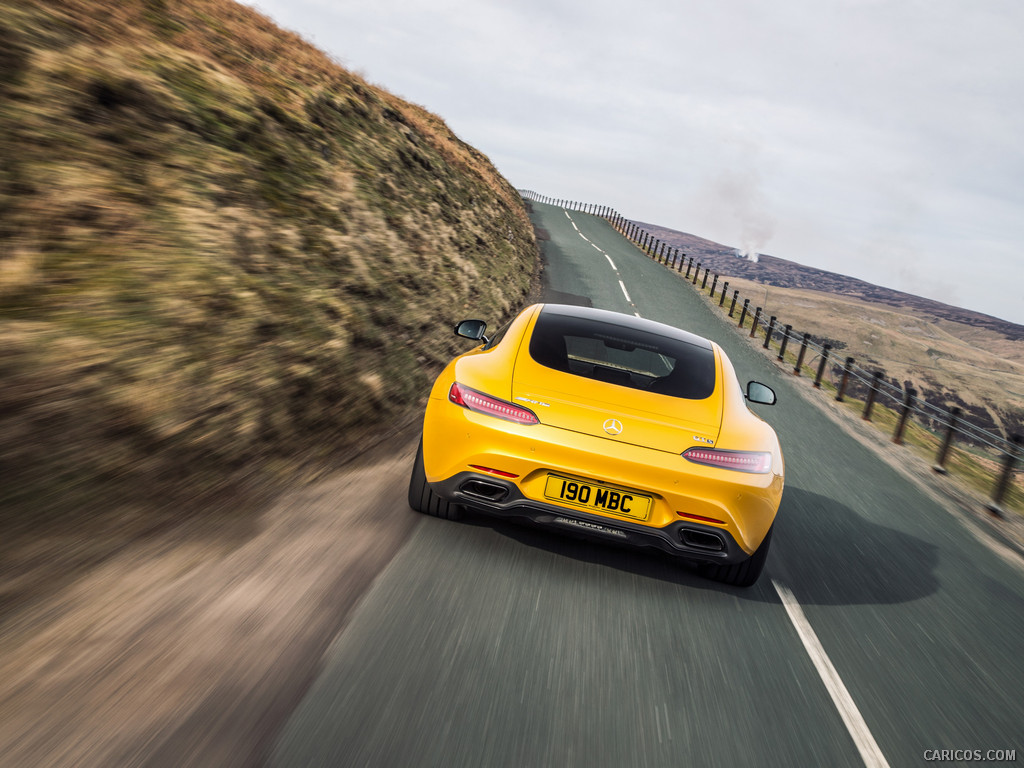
x=881, y=139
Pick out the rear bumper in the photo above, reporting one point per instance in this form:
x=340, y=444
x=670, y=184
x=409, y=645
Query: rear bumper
x=456, y=439
x=503, y=498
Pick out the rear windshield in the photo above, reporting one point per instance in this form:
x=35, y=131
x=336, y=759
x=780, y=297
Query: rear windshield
x=627, y=357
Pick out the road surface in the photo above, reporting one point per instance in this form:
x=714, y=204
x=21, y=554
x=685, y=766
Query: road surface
x=881, y=630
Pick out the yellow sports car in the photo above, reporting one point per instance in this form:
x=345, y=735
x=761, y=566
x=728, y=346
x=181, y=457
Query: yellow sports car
x=606, y=425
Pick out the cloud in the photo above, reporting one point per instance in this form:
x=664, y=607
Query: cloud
x=875, y=138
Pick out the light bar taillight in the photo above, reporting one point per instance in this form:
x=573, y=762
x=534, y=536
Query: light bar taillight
x=757, y=462
x=701, y=518
x=492, y=471
x=481, y=403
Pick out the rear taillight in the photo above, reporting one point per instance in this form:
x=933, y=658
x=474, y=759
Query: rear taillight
x=701, y=518
x=481, y=403
x=492, y=471
x=758, y=462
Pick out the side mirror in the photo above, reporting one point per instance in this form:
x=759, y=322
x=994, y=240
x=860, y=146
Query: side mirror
x=760, y=393
x=471, y=329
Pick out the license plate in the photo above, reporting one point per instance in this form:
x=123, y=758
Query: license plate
x=599, y=498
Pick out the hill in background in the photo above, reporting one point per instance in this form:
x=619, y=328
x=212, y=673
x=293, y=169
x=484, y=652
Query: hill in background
x=951, y=356
x=771, y=270
x=220, y=252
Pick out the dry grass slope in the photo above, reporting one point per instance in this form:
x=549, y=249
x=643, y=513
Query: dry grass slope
x=220, y=252
x=949, y=363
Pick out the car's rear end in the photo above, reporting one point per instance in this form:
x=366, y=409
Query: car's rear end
x=608, y=426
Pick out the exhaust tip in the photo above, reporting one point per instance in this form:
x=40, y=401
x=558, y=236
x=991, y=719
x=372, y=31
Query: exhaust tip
x=705, y=540
x=484, y=489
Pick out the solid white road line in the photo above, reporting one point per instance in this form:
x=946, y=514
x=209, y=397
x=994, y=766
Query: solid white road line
x=611, y=262
x=624, y=292
x=869, y=751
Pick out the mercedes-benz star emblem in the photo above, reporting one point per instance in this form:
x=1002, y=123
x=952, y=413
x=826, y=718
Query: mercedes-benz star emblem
x=613, y=427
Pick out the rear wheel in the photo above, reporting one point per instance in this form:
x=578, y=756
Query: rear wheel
x=423, y=499
x=743, y=574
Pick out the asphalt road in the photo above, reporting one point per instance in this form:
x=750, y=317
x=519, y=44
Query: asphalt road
x=880, y=630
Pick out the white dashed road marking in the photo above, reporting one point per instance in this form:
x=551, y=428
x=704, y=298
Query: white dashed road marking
x=866, y=744
x=612, y=263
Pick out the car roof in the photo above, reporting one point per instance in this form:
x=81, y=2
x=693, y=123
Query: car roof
x=626, y=321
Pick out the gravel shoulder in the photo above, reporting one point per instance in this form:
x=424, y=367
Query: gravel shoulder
x=186, y=650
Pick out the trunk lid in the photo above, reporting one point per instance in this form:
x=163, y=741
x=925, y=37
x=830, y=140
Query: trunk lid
x=617, y=412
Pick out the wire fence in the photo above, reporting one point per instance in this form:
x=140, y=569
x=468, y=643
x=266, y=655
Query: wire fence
x=942, y=425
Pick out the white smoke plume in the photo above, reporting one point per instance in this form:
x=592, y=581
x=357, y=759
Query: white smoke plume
x=734, y=200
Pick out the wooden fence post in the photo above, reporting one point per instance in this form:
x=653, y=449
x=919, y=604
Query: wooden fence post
x=785, y=340
x=1003, y=483
x=800, y=357
x=845, y=379
x=947, y=442
x=872, y=394
x=908, y=399
x=771, y=330
x=821, y=367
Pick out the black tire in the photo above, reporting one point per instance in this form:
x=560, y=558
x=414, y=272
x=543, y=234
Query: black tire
x=743, y=574
x=423, y=499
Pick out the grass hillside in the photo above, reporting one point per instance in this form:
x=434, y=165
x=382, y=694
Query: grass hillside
x=949, y=363
x=951, y=356
x=220, y=252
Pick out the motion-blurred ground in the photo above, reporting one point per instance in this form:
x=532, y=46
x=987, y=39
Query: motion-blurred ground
x=226, y=265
